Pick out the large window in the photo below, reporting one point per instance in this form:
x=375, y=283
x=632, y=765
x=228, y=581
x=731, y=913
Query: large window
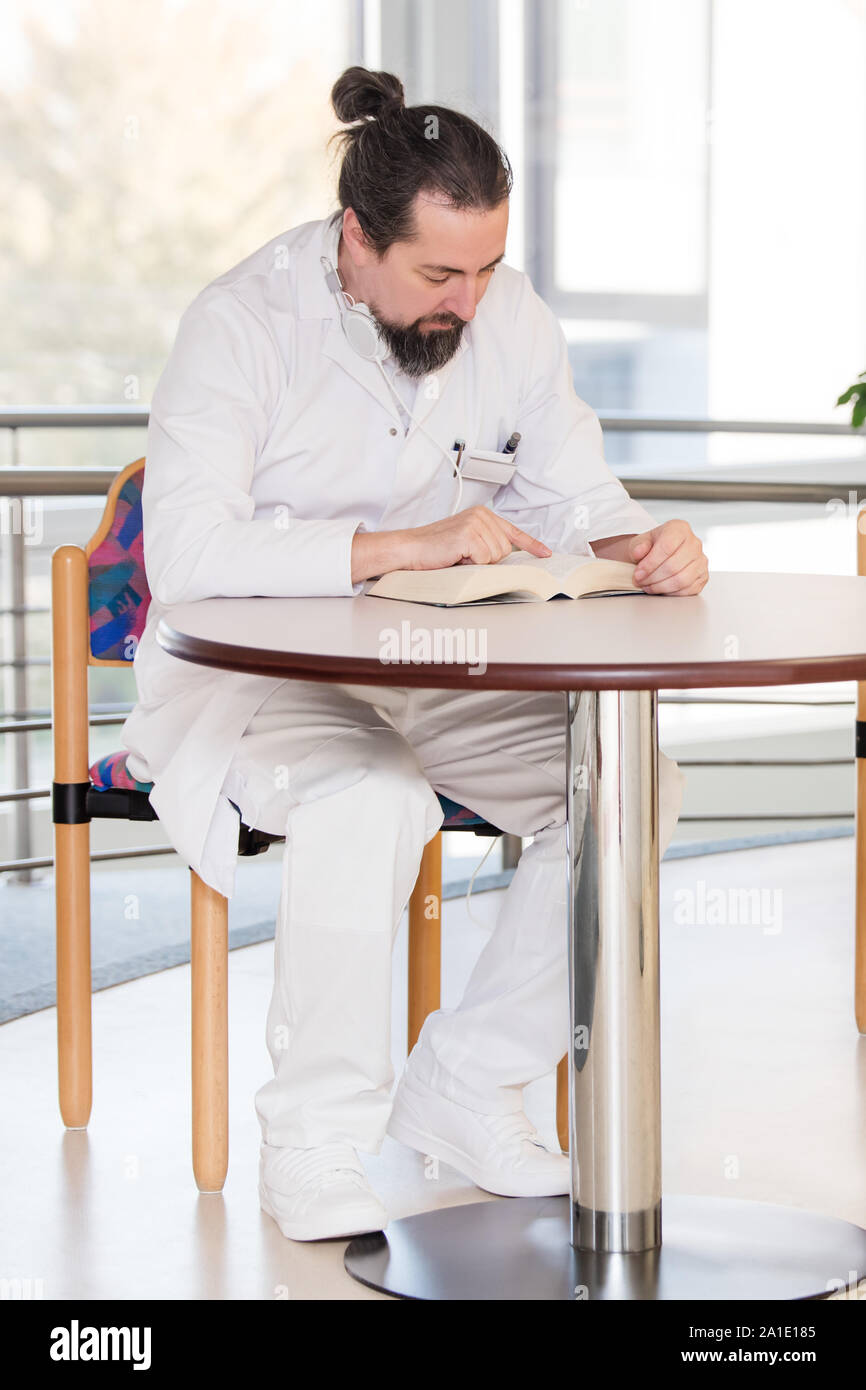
x=688, y=196
x=145, y=149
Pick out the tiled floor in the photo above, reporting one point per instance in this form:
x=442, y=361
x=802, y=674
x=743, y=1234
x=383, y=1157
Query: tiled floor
x=763, y=1091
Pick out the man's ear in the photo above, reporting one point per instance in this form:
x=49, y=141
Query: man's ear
x=359, y=249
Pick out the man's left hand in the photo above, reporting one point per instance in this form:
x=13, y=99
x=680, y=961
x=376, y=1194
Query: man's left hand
x=670, y=559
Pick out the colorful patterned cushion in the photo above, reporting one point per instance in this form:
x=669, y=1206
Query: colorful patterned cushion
x=111, y=771
x=457, y=816
x=119, y=596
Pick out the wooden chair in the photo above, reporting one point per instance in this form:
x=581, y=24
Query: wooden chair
x=425, y=945
x=100, y=599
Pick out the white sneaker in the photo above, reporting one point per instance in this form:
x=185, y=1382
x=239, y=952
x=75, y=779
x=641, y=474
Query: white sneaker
x=318, y=1194
x=504, y=1154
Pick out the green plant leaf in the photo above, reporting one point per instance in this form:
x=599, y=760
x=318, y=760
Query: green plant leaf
x=856, y=393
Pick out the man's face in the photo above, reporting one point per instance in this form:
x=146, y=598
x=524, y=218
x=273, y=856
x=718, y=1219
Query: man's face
x=422, y=293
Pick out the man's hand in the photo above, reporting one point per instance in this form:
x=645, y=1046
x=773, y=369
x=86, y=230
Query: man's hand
x=670, y=559
x=476, y=536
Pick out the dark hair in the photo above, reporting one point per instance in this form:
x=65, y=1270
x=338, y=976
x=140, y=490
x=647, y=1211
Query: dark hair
x=394, y=151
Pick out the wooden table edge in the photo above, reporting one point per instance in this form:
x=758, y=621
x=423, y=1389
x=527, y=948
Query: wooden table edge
x=229, y=656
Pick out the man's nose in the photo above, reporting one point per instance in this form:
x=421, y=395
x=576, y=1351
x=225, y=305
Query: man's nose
x=464, y=301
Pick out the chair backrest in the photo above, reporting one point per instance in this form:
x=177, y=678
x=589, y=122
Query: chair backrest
x=118, y=592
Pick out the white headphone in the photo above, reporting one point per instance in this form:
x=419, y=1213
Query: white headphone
x=359, y=325
x=362, y=334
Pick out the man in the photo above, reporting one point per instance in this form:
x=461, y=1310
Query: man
x=300, y=443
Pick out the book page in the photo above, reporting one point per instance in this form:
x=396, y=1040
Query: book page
x=456, y=584
x=604, y=578
x=557, y=565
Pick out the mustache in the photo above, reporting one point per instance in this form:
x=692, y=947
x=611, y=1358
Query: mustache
x=446, y=320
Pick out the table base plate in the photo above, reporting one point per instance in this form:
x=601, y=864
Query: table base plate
x=519, y=1248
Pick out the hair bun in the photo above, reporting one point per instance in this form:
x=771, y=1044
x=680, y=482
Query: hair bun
x=358, y=92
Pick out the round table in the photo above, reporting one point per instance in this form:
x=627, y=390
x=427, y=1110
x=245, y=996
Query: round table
x=610, y=656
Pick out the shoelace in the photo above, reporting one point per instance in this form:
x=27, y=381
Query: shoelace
x=511, y=1130
x=341, y=1175
x=330, y=1163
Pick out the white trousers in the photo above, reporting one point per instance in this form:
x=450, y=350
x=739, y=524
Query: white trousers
x=347, y=773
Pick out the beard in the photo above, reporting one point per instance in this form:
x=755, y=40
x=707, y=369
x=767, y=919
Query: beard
x=419, y=353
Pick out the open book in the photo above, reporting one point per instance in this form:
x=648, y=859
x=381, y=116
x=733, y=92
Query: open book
x=518, y=578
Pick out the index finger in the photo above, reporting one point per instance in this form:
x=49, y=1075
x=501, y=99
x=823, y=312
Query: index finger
x=523, y=541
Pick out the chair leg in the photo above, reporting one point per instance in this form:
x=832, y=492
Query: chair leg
x=209, y=916
x=425, y=939
x=425, y=965
x=860, y=881
x=860, y=826
x=72, y=927
x=562, y=1103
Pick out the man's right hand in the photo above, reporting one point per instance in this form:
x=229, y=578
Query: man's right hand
x=476, y=536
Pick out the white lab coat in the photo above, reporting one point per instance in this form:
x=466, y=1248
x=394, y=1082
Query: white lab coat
x=271, y=442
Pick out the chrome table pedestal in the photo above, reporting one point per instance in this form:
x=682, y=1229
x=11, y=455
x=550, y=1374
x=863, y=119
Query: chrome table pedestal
x=611, y=1239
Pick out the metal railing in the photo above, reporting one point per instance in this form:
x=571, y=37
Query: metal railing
x=18, y=481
